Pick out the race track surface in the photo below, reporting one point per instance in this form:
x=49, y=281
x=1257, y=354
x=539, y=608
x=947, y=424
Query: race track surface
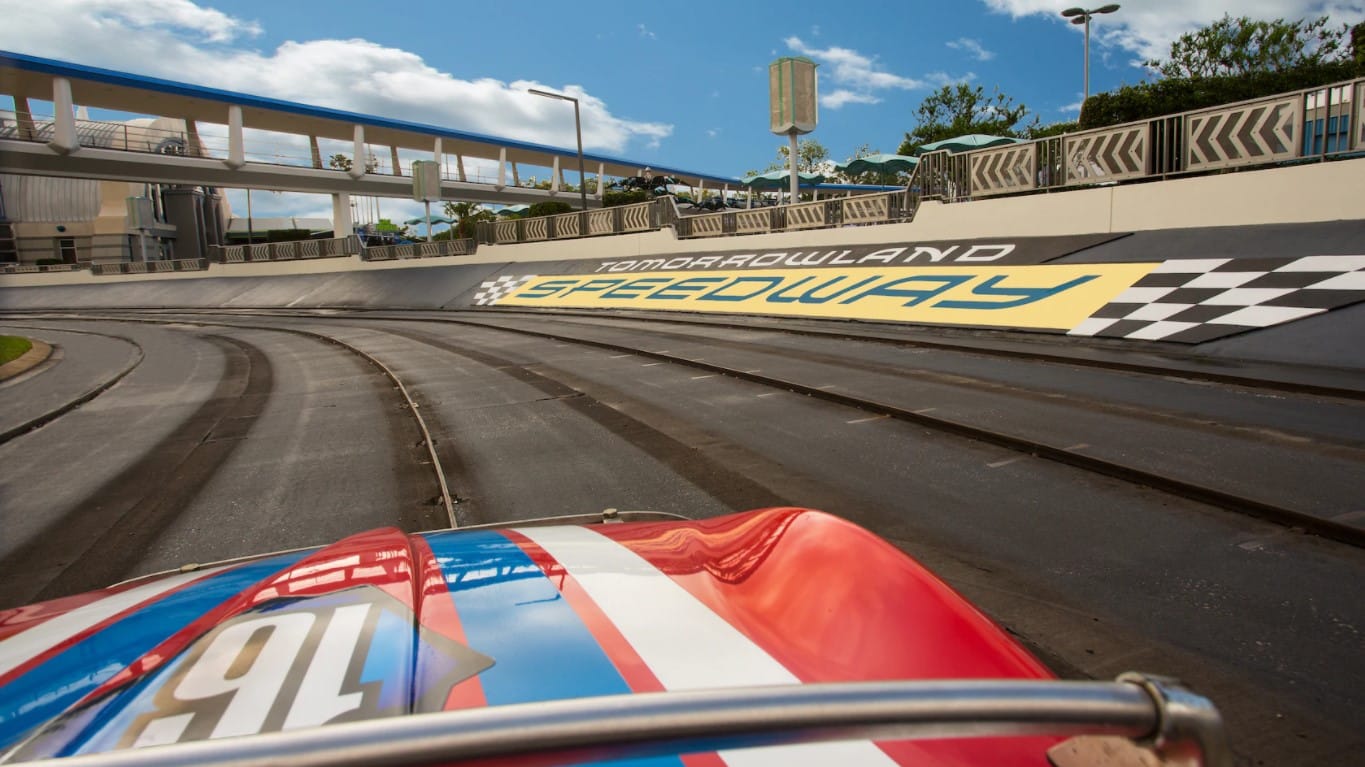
x=1115, y=506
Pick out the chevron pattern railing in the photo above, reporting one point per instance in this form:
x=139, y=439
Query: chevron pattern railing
x=709, y=225
x=567, y=225
x=602, y=221
x=1109, y=154
x=1263, y=131
x=505, y=231
x=534, y=229
x=1005, y=169
x=868, y=209
x=636, y=218
x=753, y=221
x=810, y=215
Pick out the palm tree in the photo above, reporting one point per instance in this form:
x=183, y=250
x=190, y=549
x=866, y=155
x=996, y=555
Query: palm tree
x=467, y=214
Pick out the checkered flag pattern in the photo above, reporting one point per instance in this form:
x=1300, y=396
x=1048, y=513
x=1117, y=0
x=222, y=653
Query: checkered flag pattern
x=495, y=290
x=1196, y=300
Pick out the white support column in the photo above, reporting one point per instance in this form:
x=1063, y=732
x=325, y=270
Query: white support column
x=554, y=178
x=64, y=138
x=502, y=169
x=601, y=179
x=342, y=225
x=439, y=157
x=236, y=144
x=516, y=177
x=358, y=157
x=459, y=166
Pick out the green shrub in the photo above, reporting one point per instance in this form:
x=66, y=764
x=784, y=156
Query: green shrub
x=611, y=199
x=1174, y=95
x=286, y=235
x=548, y=208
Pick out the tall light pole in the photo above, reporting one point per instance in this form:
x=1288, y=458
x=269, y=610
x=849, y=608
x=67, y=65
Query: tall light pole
x=1082, y=16
x=578, y=131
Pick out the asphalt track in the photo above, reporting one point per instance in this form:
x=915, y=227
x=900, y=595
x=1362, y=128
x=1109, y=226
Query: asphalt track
x=235, y=433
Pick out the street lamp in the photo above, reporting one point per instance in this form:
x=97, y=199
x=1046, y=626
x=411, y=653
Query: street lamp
x=578, y=130
x=1082, y=16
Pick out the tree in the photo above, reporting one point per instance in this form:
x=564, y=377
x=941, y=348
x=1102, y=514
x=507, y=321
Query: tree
x=1243, y=46
x=883, y=178
x=811, y=157
x=468, y=214
x=341, y=161
x=959, y=110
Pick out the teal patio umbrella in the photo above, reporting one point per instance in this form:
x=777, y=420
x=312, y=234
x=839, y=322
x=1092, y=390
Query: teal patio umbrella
x=879, y=163
x=963, y=143
x=431, y=219
x=779, y=179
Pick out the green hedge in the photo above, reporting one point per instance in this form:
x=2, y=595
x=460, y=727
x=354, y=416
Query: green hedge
x=626, y=198
x=548, y=208
x=1174, y=95
x=286, y=235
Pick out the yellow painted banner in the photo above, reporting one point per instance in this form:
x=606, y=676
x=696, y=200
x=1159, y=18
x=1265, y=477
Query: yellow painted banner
x=1050, y=296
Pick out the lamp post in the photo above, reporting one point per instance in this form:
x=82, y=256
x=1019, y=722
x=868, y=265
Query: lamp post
x=1082, y=16
x=578, y=131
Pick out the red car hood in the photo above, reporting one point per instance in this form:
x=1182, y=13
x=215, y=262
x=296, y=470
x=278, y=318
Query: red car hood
x=385, y=624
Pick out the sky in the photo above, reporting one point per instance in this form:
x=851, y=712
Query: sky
x=682, y=85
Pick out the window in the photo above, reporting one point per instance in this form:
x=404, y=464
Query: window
x=66, y=249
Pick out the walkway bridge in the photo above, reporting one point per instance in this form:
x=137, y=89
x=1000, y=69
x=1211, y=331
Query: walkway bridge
x=209, y=137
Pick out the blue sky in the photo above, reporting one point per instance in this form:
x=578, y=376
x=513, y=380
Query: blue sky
x=677, y=84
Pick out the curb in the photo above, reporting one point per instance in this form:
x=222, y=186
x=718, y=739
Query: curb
x=27, y=361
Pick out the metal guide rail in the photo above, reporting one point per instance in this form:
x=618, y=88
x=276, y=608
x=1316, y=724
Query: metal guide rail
x=1155, y=714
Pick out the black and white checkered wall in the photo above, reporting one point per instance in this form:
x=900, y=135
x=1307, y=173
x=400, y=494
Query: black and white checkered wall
x=1196, y=300
x=496, y=289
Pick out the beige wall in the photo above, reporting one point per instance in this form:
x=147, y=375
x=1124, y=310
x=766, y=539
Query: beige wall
x=1330, y=191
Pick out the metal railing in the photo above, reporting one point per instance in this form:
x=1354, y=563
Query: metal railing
x=152, y=267
x=1162, y=721
x=640, y=217
x=1311, y=124
x=879, y=208
x=286, y=251
x=419, y=250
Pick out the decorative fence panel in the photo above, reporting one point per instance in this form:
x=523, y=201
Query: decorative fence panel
x=710, y=225
x=535, y=229
x=1261, y=131
x=753, y=221
x=602, y=221
x=505, y=231
x=1006, y=169
x=567, y=225
x=636, y=218
x=809, y=215
x=1109, y=154
x=867, y=209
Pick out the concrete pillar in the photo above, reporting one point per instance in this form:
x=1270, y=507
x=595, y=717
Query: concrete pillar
x=554, y=177
x=64, y=137
x=236, y=144
x=184, y=210
x=502, y=169
x=193, y=146
x=397, y=167
x=315, y=151
x=459, y=166
x=342, y=225
x=601, y=179
x=23, y=115
x=358, y=158
x=516, y=177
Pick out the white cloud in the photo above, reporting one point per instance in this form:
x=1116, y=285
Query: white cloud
x=855, y=76
x=193, y=44
x=712, y=132
x=972, y=48
x=1147, y=29
x=644, y=32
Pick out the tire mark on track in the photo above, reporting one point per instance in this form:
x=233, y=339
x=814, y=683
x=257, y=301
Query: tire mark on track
x=97, y=542
x=732, y=488
x=57, y=412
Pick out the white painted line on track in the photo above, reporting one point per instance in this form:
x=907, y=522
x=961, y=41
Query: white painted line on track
x=869, y=419
x=709, y=375
x=652, y=364
x=619, y=356
x=1007, y=461
x=926, y=410
x=768, y=394
x=1078, y=446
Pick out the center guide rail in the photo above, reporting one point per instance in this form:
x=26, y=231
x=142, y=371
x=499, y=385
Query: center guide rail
x=1160, y=719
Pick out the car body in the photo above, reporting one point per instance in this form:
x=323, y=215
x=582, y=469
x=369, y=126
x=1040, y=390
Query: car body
x=385, y=624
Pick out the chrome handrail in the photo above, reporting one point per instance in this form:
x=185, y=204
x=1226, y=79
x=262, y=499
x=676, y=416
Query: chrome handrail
x=1151, y=711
